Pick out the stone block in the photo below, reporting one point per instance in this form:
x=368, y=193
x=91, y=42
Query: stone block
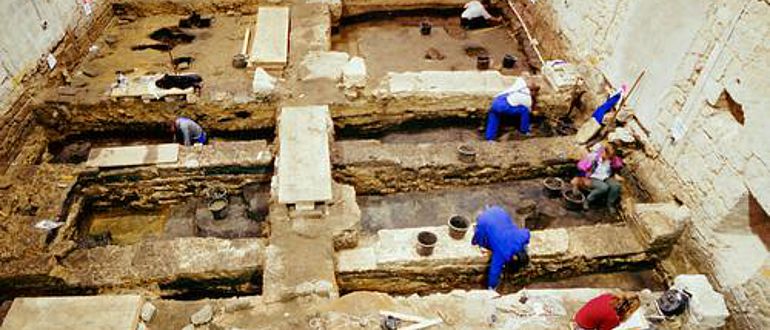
x=660, y=224
x=304, y=165
x=203, y=315
x=323, y=65
x=443, y=84
x=707, y=308
x=148, y=311
x=335, y=8
x=93, y=312
x=271, y=37
x=354, y=73
x=263, y=84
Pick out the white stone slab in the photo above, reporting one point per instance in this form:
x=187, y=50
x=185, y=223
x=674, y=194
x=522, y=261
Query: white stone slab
x=91, y=312
x=398, y=247
x=304, y=166
x=444, y=83
x=144, y=87
x=271, y=37
x=133, y=155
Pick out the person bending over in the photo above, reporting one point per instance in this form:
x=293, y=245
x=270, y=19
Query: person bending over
x=187, y=131
x=476, y=16
x=514, y=101
x=496, y=231
x=606, y=311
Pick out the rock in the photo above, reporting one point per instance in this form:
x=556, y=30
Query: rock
x=587, y=131
x=335, y=7
x=148, y=311
x=141, y=326
x=621, y=134
x=237, y=305
x=111, y=40
x=68, y=91
x=660, y=224
x=354, y=73
x=183, y=66
x=203, y=315
x=323, y=65
x=189, y=327
x=263, y=83
x=434, y=54
x=91, y=72
x=707, y=308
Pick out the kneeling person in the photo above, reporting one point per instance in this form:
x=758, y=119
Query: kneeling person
x=496, y=231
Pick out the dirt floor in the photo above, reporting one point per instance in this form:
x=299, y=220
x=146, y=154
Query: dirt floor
x=626, y=280
x=127, y=226
x=212, y=51
x=434, y=208
x=395, y=44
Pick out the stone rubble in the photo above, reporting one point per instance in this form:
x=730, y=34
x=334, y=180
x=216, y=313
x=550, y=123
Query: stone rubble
x=148, y=311
x=202, y=316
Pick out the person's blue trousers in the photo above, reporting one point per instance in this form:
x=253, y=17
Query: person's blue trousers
x=499, y=108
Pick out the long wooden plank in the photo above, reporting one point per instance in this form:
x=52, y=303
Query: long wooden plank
x=271, y=37
x=133, y=155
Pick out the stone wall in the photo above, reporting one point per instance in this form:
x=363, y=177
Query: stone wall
x=700, y=111
x=373, y=167
x=392, y=264
x=61, y=28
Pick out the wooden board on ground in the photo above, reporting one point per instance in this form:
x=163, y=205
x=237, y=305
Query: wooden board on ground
x=270, y=48
x=304, y=164
x=133, y=155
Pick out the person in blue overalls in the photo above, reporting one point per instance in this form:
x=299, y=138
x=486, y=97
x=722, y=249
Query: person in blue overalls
x=514, y=101
x=188, y=132
x=496, y=231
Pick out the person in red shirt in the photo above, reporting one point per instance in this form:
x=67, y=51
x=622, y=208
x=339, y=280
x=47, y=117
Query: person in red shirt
x=606, y=311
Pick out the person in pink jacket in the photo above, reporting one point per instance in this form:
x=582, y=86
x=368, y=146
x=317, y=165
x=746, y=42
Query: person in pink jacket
x=599, y=174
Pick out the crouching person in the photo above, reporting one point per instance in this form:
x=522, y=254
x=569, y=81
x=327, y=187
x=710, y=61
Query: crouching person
x=187, y=132
x=599, y=174
x=606, y=311
x=496, y=231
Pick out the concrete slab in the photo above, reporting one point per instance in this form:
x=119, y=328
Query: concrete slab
x=271, y=37
x=133, y=155
x=304, y=166
x=92, y=312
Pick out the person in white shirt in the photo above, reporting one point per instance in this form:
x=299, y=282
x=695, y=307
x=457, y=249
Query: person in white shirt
x=476, y=16
x=517, y=100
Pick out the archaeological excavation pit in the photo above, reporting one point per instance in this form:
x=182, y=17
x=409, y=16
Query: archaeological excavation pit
x=339, y=133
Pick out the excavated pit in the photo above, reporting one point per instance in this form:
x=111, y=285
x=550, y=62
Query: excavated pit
x=152, y=216
x=434, y=208
x=392, y=42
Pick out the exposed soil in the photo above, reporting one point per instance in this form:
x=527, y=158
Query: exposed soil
x=211, y=51
x=434, y=208
x=394, y=43
x=625, y=280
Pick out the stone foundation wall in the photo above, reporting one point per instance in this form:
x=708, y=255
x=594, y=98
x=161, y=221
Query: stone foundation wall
x=700, y=112
x=231, y=165
x=376, y=168
x=392, y=265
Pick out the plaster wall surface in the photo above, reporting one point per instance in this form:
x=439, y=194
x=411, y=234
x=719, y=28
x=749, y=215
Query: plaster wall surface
x=695, y=54
x=25, y=39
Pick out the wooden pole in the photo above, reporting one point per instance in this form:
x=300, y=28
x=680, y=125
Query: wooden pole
x=526, y=31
